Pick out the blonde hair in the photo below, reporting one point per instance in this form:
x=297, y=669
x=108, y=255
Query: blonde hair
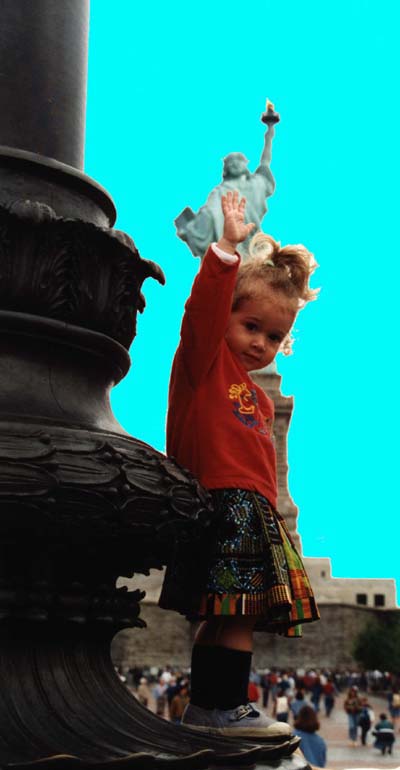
x=285, y=269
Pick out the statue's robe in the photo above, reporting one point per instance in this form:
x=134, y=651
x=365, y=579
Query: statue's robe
x=201, y=229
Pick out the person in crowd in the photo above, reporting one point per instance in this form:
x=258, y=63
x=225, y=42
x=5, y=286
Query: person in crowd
x=394, y=706
x=365, y=719
x=329, y=692
x=136, y=674
x=281, y=706
x=166, y=675
x=284, y=683
x=352, y=707
x=253, y=693
x=297, y=703
x=179, y=703
x=171, y=689
x=143, y=692
x=265, y=685
x=384, y=734
x=273, y=683
x=316, y=692
x=312, y=745
x=160, y=697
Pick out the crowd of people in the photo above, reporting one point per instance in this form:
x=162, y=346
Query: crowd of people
x=300, y=697
x=361, y=718
x=167, y=690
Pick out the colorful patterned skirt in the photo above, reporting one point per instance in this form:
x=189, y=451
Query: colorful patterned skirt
x=251, y=567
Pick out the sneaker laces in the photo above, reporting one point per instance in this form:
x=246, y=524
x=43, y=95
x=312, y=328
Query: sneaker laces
x=244, y=711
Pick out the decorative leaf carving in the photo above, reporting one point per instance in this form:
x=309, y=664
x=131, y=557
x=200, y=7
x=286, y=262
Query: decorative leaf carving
x=84, y=471
x=18, y=479
x=23, y=447
x=71, y=270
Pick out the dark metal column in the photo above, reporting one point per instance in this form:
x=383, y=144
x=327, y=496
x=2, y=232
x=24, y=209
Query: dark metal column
x=43, y=72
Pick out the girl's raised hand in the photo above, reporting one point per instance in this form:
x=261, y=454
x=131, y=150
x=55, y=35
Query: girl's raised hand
x=235, y=229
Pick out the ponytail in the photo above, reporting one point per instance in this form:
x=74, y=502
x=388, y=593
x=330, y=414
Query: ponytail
x=287, y=269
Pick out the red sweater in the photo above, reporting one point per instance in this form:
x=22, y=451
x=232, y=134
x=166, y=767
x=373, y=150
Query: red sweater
x=219, y=422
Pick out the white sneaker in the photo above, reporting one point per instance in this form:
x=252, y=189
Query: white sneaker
x=242, y=722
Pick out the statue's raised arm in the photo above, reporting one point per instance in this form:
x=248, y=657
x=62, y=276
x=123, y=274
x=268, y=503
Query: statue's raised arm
x=205, y=227
x=266, y=156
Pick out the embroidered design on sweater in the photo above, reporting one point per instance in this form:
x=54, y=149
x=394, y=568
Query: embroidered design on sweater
x=243, y=396
x=246, y=408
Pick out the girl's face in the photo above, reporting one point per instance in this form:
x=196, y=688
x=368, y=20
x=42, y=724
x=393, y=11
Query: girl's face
x=258, y=327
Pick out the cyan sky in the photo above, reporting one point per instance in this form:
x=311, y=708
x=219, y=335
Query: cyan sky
x=175, y=87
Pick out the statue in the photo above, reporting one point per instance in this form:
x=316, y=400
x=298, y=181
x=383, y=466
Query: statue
x=201, y=229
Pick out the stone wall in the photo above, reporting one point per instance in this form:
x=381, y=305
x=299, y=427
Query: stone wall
x=327, y=643
x=167, y=639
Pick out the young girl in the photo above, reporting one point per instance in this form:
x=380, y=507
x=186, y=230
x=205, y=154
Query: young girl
x=220, y=426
